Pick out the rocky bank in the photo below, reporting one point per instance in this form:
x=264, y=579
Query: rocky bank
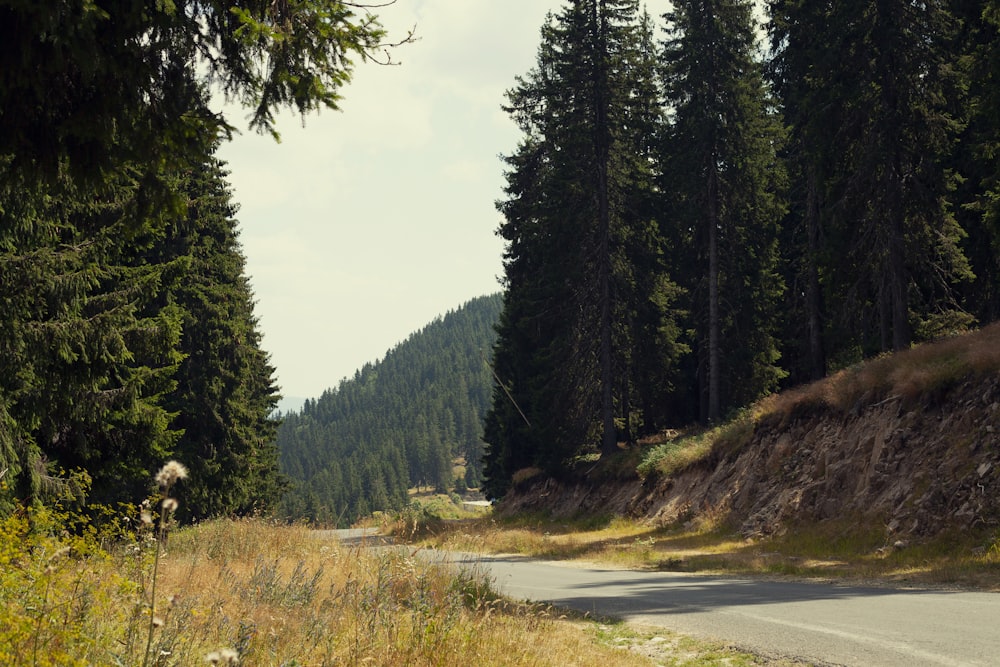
x=917, y=466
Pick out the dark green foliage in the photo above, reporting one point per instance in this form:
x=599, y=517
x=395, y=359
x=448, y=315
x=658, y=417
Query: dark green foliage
x=225, y=393
x=587, y=336
x=890, y=152
x=723, y=187
x=976, y=159
x=874, y=96
x=641, y=216
x=130, y=340
x=126, y=327
x=398, y=423
x=86, y=357
x=104, y=85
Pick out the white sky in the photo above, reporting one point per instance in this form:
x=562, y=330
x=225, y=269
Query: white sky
x=366, y=224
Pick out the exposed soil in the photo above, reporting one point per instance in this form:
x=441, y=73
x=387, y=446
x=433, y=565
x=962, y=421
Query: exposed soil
x=918, y=467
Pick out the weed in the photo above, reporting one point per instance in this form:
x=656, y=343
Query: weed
x=674, y=455
x=295, y=599
x=171, y=473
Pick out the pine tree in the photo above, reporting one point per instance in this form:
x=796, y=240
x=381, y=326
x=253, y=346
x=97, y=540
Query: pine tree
x=870, y=104
x=225, y=392
x=131, y=339
x=102, y=108
x=801, y=73
x=724, y=185
x=583, y=275
x=978, y=193
x=86, y=358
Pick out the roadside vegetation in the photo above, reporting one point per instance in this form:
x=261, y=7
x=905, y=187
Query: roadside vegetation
x=250, y=592
x=836, y=550
x=845, y=548
x=253, y=592
x=125, y=586
x=919, y=373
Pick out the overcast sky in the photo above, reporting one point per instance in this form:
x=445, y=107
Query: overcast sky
x=365, y=224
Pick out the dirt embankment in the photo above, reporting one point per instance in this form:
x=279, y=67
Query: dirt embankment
x=917, y=468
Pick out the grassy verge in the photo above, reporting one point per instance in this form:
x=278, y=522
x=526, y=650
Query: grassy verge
x=919, y=373
x=249, y=592
x=842, y=550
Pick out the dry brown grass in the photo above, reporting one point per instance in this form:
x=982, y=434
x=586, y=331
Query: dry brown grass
x=274, y=594
x=921, y=370
x=317, y=603
x=908, y=376
x=843, y=550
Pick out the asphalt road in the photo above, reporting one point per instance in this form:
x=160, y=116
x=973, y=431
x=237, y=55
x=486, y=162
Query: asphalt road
x=818, y=623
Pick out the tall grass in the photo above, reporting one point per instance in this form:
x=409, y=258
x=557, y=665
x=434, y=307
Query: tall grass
x=908, y=375
x=251, y=592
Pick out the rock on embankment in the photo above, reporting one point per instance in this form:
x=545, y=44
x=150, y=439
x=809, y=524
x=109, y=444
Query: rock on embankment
x=919, y=469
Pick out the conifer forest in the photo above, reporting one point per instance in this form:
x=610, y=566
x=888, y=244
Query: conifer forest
x=703, y=208
x=127, y=332
x=732, y=198
x=397, y=424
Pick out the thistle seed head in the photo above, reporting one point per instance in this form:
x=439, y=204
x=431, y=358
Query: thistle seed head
x=226, y=656
x=170, y=473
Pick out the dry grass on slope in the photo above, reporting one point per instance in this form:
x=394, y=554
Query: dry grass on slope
x=920, y=373
x=909, y=375
x=864, y=548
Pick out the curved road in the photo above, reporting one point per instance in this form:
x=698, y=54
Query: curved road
x=818, y=623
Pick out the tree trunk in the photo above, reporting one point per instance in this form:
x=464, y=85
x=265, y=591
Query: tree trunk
x=714, y=372
x=814, y=305
x=602, y=149
x=901, y=334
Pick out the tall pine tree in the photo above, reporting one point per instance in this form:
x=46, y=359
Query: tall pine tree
x=87, y=357
x=724, y=186
x=225, y=390
x=977, y=197
x=869, y=87
x=578, y=224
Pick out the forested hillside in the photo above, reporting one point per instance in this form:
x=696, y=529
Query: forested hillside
x=398, y=423
x=696, y=217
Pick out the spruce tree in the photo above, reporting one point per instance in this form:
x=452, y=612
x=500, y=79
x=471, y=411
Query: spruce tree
x=87, y=355
x=871, y=105
x=724, y=185
x=977, y=196
x=583, y=270
x=225, y=393
x=102, y=108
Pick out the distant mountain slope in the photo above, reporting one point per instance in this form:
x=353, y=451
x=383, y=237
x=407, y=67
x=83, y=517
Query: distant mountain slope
x=399, y=422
